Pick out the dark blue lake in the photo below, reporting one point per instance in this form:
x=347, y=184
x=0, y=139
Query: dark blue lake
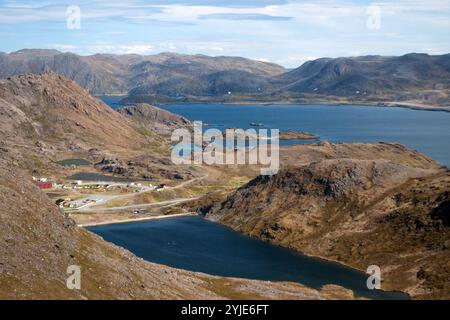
x=196, y=244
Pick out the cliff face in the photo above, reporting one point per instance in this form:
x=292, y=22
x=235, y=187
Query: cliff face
x=154, y=119
x=359, y=212
x=165, y=73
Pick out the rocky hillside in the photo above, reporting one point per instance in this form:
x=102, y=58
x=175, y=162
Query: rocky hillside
x=418, y=80
x=165, y=74
x=411, y=77
x=154, y=119
x=50, y=109
x=47, y=117
x=357, y=209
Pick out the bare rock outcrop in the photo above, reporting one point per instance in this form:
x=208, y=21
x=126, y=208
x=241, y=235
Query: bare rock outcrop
x=155, y=119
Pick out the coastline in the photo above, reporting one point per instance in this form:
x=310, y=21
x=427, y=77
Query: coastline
x=343, y=104
x=387, y=104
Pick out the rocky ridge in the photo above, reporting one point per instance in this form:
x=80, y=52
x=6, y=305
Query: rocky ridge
x=356, y=210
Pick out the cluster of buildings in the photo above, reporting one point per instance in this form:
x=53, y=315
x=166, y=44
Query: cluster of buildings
x=43, y=183
x=64, y=203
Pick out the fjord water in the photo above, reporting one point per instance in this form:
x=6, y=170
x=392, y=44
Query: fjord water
x=425, y=131
x=196, y=244
x=112, y=101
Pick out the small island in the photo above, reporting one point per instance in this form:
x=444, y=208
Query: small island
x=287, y=135
x=297, y=135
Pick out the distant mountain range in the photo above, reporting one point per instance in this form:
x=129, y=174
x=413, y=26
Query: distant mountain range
x=369, y=74
x=166, y=73
x=418, y=78
x=413, y=79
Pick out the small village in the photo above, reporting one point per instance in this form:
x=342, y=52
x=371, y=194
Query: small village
x=95, y=192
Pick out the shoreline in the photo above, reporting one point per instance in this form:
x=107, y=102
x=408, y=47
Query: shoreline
x=387, y=104
x=110, y=222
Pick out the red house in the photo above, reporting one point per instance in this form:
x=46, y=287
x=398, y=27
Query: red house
x=44, y=185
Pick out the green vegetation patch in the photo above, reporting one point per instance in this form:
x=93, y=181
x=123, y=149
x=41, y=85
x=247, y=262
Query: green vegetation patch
x=73, y=162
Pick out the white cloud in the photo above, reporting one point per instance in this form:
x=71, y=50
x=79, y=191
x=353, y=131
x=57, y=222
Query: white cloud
x=316, y=12
x=294, y=60
x=142, y=49
x=65, y=47
x=318, y=28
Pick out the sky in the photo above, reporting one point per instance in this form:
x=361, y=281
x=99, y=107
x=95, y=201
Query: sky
x=280, y=31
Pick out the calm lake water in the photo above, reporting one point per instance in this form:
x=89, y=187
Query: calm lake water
x=73, y=162
x=196, y=244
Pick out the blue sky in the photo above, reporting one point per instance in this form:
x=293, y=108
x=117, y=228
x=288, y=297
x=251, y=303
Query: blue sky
x=280, y=31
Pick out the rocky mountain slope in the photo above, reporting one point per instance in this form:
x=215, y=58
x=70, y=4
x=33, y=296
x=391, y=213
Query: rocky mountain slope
x=417, y=80
x=411, y=77
x=47, y=117
x=49, y=108
x=163, y=74
x=155, y=119
x=347, y=203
